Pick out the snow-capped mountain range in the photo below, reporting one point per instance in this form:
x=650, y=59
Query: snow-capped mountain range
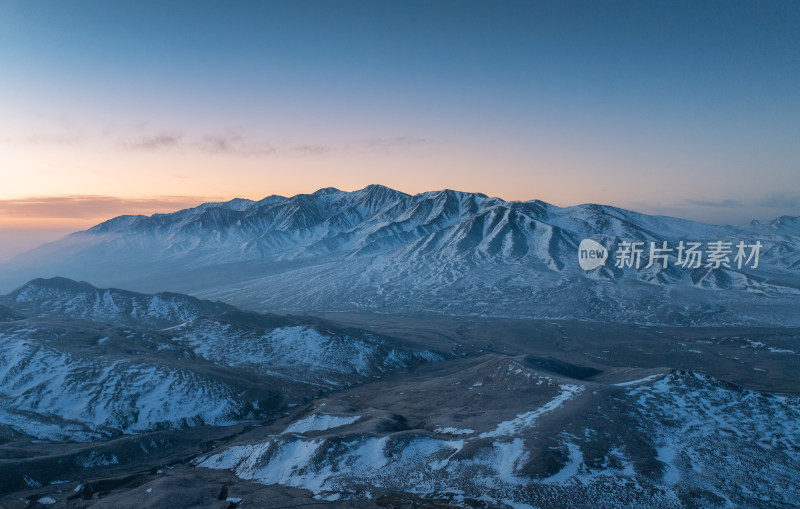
x=450, y=252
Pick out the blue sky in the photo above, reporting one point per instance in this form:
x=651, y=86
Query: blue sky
x=689, y=109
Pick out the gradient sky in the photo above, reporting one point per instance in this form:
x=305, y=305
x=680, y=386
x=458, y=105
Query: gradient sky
x=689, y=109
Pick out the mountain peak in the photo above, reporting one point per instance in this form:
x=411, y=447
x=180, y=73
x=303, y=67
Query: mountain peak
x=783, y=220
x=56, y=283
x=379, y=192
x=783, y=225
x=325, y=190
x=116, y=224
x=373, y=188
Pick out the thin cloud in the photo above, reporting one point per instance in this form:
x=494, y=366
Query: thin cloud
x=155, y=142
x=724, y=211
x=395, y=142
x=313, y=149
x=715, y=204
x=774, y=201
x=221, y=144
x=225, y=144
x=781, y=200
x=94, y=206
x=233, y=144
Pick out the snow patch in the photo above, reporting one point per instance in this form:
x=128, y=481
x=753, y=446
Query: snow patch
x=319, y=422
x=528, y=419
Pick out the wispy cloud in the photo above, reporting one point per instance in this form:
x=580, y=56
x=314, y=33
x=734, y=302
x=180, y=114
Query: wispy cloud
x=237, y=144
x=715, y=204
x=781, y=200
x=395, y=142
x=314, y=149
x=234, y=144
x=724, y=210
x=773, y=201
x=93, y=206
x=155, y=142
x=225, y=143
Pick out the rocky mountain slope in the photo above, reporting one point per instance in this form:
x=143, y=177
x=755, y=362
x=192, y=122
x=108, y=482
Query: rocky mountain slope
x=95, y=363
x=542, y=440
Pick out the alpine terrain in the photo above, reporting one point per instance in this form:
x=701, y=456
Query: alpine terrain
x=373, y=349
x=448, y=252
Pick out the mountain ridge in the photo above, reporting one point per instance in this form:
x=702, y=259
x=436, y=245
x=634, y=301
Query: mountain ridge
x=448, y=251
x=240, y=204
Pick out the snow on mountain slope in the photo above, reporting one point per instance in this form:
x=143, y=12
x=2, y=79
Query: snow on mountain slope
x=784, y=225
x=302, y=352
x=381, y=250
x=319, y=422
x=95, y=396
x=64, y=297
x=700, y=422
x=684, y=439
x=93, y=363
